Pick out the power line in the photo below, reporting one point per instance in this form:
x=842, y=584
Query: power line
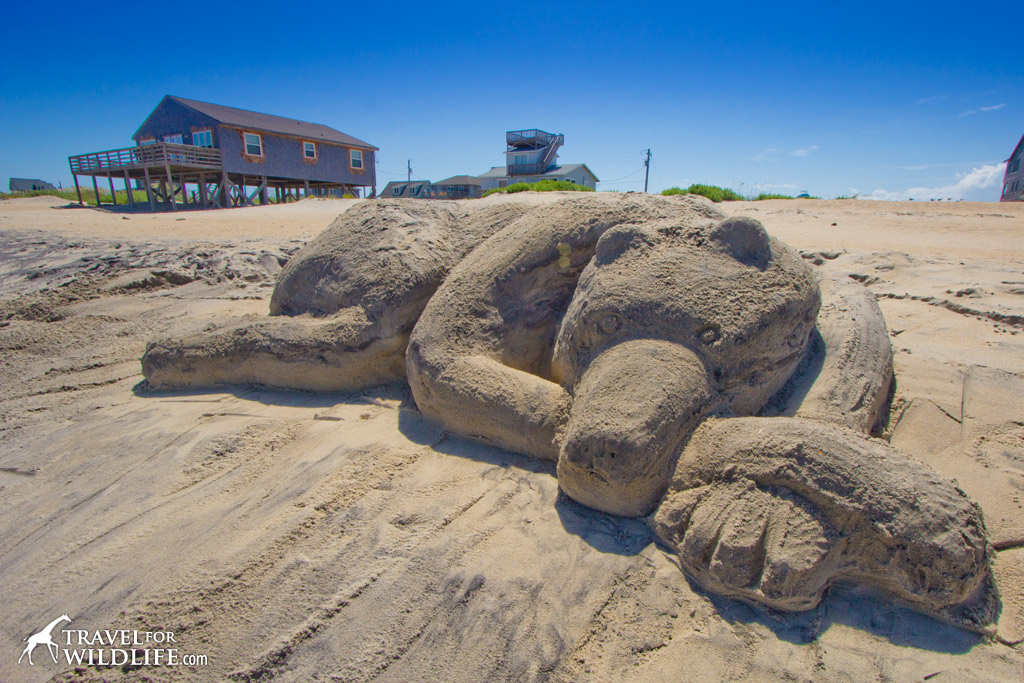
x=623, y=177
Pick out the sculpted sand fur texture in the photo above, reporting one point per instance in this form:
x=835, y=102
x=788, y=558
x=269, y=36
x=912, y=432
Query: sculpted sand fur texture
x=676, y=364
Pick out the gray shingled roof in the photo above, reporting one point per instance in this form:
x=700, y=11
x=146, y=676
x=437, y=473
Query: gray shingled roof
x=459, y=180
x=28, y=184
x=553, y=172
x=566, y=169
x=270, y=123
x=388, y=191
x=495, y=172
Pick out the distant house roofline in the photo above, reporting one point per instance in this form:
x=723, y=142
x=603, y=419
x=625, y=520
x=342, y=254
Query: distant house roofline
x=389, y=188
x=267, y=123
x=29, y=184
x=1015, y=149
x=497, y=172
x=459, y=180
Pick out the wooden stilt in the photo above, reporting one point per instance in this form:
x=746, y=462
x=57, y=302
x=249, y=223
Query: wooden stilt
x=170, y=187
x=306, y=183
x=128, y=189
x=225, y=182
x=113, y=195
x=96, y=189
x=258, y=192
x=149, y=187
x=78, y=190
x=202, y=190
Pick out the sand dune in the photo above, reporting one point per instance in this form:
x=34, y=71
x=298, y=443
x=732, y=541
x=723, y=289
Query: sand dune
x=297, y=536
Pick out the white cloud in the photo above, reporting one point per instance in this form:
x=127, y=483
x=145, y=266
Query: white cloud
x=991, y=107
x=772, y=153
x=805, y=151
x=767, y=155
x=932, y=99
x=975, y=185
x=882, y=195
x=972, y=185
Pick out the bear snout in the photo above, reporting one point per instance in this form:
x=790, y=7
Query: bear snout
x=632, y=410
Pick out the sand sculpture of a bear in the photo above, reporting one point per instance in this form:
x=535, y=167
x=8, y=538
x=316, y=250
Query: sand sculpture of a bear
x=639, y=342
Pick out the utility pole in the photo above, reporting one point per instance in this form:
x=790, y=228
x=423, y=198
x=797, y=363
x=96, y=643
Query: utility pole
x=647, y=168
x=409, y=175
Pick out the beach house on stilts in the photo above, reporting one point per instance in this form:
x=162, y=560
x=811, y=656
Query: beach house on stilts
x=210, y=156
x=1013, y=178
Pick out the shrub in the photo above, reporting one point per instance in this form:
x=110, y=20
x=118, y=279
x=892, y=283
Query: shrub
x=712, y=192
x=768, y=195
x=69, y=194
x=542, y=186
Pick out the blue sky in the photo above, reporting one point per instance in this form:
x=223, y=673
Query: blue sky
x=892, y=101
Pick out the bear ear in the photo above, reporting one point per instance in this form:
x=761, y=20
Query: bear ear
x=620, y=239
x=744, y=239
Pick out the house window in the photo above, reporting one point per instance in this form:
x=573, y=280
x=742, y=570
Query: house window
x=309, y=150
x=253, y=144
x=521, y=159
x=147, y=141
x=175, y=139
x=202, y=138
x=355, y=158
x=398, y=190
x=502, y=183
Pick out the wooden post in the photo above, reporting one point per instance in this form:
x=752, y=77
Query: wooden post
x=306, y=183
x=113, y=195
x=128, y=189
x=96, y=189
x=202, y=190
x=170, y=187
x=149, y=187
x=224, y=182
x=78, y=190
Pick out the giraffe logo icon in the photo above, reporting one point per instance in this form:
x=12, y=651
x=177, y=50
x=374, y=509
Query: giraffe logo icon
x=43, y=638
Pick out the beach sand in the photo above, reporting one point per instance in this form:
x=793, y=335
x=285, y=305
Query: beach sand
x=297, y=536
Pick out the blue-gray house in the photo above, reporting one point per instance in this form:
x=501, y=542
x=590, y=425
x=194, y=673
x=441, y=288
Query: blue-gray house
x=531, y=156
x=223, y=151
x=1013, y=178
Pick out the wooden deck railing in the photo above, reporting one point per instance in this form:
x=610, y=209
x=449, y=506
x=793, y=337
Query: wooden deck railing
x=533, y=135
x=156, y=155
x=526, y=169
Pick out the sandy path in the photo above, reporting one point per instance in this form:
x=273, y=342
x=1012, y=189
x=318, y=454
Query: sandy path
x=300, y=537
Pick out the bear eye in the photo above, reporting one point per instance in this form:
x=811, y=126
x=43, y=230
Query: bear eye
x=609, y=323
